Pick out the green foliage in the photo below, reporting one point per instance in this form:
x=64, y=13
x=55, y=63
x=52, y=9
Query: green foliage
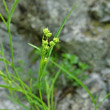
x=15, y=84
x=71, y=62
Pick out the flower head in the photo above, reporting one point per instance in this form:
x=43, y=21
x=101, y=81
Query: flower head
x=56, y=40
x=46, y=48
x=45, y=60
x=44, y=42
x=48, y=34
x=46, y=31
x=51, y=43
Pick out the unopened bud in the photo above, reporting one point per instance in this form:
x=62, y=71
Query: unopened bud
x=46, y=31
x=56, y=40
x=51, y=43
x=46, y=47
x=48, y=34
x=45, y=60
x=45, y=42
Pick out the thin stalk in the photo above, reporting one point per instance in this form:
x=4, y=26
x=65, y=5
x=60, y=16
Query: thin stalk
x=6, y=69
x=23, y=87
x=5, y=64
x=41, y=69
x=12, y=11
x=6, y=8
x=3, y=19
x=95, y=107
x=52, y=89
x=27, y=88
x=47, y=92
x=40, y=94
x=52, y=99
x=11, y=45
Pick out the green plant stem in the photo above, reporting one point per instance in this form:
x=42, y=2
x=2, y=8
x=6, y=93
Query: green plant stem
x=47, y=92
x=5, y=64
x=41, y=69
x=11, y=45
x=3, y=19
x=23, y=87
x=7, y=72
x=13, y=65
x=6, y=8
x=52, y=99
x=52, y=88
x=95, y=107
x=12, y=11
x=40, y=94
x=22, y=91
x=27, y=88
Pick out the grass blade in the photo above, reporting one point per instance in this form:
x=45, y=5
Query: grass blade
x=103, y=100
x=52, y=89
x=64, y=21
x=10, y=88
x=34, y=46
x=12, y=11
x=3, y=19
x=6, y=9
x=1, y=59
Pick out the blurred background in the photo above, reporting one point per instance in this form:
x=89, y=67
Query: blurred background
x=84, y=47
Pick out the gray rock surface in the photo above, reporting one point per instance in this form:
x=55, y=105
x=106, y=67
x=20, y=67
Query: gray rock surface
x=5, y=102
x=101, y=11
x=20, y=45
x=87, y=38
x=83, y=34
x=81, y=100
x=86, y=34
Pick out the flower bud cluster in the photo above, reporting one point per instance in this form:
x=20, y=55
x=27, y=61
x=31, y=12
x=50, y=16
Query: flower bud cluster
x=46, y=45
x=47, y=33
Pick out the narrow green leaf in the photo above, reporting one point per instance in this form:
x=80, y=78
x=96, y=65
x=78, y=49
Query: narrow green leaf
x=61, y=27
x=34, y=46
x=52, y=89
x=10, y=88
x=24, y=92
x=6, y=9
x=3, y=19
x=47, y=91
x=54, y=80
x=1, y=59
x=16, y=100
x=12, y=11
x=108, y=95
x=64, y=21
x=5, y=64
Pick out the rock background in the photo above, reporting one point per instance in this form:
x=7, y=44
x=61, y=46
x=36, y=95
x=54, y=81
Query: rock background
x=86, y=34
